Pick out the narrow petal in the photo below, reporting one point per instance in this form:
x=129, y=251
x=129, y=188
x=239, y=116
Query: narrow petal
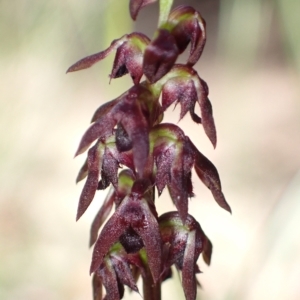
x=101, y=128
x=164, y=157
x=136, y=5
x=91, y=184
x=136, y=126
x=206, y=110
x=90, y=60
x=207, y=251
x=105, y=108
x=83, y=172
x=110, y=233
x=169, y=92
x=87, y=194
x=188, y=268
x=124, y=272
x=187, y=98
x=110, y=281
x=177, y=186
x=147, y=227
x=198, y=39
x=97, y=287
x=209, y=175
x=102, y=215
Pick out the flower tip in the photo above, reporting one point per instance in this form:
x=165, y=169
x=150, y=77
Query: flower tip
x=71, y=69
x=213, y=140
x=226, y=206
x=78, y=215
x=229, y=210
x=93, y=267
x=79, y=151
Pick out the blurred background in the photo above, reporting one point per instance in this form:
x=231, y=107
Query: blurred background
x=251, y=63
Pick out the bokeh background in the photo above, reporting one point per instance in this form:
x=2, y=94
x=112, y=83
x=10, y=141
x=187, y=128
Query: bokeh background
x=251, y=63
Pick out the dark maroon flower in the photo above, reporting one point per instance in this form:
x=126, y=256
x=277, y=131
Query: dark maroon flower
x=130, y=110
x=185, y=25
x=160, y=55
x=114, y=273
x=136, y=212
x=102, y=164
x=174, y=155
x=183, y=85
x=128, y=59
x=115, y=196
x=128, y=132
x=188, y=27
x=183, y=243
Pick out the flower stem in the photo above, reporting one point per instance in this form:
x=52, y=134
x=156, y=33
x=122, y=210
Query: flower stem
x=151, y=290
x=164, y=11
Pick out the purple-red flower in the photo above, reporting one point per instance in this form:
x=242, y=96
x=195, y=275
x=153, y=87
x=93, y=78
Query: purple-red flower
x=184, y=26
x=101, y=169
x=129, y=132
x=188, y=27
x=173, y=156
x=182, y=245
x=113, y=273
x=128, y=59
x=114, y=196
x=135, y=212
x=183, y=85
x=131, y=111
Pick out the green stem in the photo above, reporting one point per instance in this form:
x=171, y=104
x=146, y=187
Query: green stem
x=164, y=11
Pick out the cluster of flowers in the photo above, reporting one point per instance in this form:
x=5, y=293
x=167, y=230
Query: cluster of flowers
x=129, y=132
